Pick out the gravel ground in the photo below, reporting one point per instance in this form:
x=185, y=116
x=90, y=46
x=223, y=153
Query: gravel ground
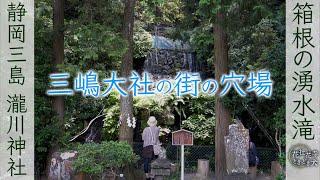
x=193, y=177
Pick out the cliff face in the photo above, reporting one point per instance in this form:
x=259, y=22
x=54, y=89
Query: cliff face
x=166, y=63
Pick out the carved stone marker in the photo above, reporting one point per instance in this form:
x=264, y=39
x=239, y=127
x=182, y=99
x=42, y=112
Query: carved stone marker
x=237, y=148
x=203, y=169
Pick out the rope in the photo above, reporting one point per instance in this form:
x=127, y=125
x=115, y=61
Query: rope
x=260, y=125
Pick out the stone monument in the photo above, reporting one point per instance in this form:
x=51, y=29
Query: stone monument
x=60, y=166
x=203, y=169
x=237, y=148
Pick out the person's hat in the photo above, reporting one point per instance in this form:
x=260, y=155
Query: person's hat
x=152, y=121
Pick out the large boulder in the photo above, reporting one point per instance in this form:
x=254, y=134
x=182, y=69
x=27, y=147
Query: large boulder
x=61, y=165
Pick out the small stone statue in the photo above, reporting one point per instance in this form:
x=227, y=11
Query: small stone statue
x=163, y=153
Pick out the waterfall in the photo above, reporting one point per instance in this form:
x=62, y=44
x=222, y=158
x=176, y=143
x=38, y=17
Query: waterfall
x=185, y=60
x=190, y=62
x=168, y=56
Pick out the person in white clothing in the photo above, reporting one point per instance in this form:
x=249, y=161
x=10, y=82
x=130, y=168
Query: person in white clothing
x=150, y=137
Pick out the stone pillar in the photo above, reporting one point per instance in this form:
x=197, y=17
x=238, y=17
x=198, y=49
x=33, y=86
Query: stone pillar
x=275, y=169
x=203, y=168
x=161, y=167
x=237, y=148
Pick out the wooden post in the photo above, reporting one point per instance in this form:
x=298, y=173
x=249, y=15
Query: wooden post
x=182, y=162
x=181, y=138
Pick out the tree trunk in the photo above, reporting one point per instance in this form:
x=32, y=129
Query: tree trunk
x=222, y=113
x=126, y=102
x=58, y=50
x=58, y=58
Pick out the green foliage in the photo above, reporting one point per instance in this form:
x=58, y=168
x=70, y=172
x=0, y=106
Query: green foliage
x=96, y=158
x=207, y=9
x=112, y=114
x=256, y=36
x=201, y=40
x=170, y=11
x=159, y=11
x=93, y=42
x=201, y=126
x=281, y=176
x=47, y=131
x=159, y=106
x=282, y=159
x=196, y=114
x=257, y=45
x=142, y=41
x=93, y=35
x=201, y=119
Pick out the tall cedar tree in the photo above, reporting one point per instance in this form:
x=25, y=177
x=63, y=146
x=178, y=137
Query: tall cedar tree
x=58, y=58
x=58, y=50
x=222, y=113
x=126, y=102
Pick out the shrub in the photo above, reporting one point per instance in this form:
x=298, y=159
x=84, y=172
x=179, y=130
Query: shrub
x=96, y=159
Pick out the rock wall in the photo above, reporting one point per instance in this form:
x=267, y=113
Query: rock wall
x=166, y=63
